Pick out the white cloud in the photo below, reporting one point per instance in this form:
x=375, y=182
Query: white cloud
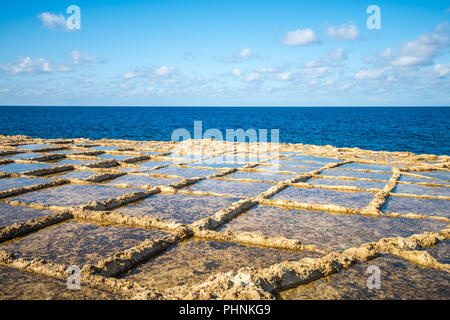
x=322, y=67
x=83, y=58
x=245, y=53
x=252, y=77
x=337, y=54
x=163, y=71
x=30, y=66
x=129, y=75
x=284, y=76
x=344, y=32
x=266, y=70
x=300, y=37
x=442, y=70
x=237, y=72
x=160, y=72
x=53, y=21
x=422, y=50
x=370, y=74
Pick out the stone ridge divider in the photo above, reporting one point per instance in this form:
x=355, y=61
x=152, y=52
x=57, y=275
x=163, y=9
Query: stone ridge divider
x=378, y=201
x=123, y=261
x=23, y=190
x=20, y=229
x=251, y=283
x=124, y=289
x=305, y=185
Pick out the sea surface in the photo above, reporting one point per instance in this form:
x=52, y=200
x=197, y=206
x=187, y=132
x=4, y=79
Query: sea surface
x=416, y=129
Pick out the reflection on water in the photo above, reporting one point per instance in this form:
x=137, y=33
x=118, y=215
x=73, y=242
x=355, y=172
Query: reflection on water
x=355, y=183
x=261, y=176
x=78, y=243
x=21, y=285
x=418, y=189
x=13, y=183
x=327, y=231
x=356, y=174
x=428, y=207
x=235, y=188
x=185, y=172
x=194, y=261
x=177, y=207
x=325, y=196
x=73, y=194
x=22, y=167
x=10, y=215
x=399, y=280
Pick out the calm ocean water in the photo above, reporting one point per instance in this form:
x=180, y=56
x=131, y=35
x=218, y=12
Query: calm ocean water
x=419, y=130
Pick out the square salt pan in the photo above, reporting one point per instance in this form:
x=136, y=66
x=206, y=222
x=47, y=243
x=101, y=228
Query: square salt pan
x=185, y=172
x=428, y=207
x=325, y=230
x=81, y=174
x=149, y=165
x=114, y=156
x=34, y=146
x=104, y=148
x=260, y=176
x=73, y=194
x=444, y=175
x=326, y=197
x=363, y=166
x=78, y=243
x=356, y=174
x=14, y=183
x=23, y=167
x=355, y=183
x=400, y=280
x=12, y=214
x=24, y=156
x=140, y=180
x=422, y=190
x=21, y=285
x=235, y=188
x=177, y=207
x=194, y=261
x=303, y=157
x=285, y=168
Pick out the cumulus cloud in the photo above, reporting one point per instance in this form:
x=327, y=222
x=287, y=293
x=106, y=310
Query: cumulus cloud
x=53, y=21
x=422, y=50
x=324, y=66
x=30, y=66
x=370, y=74
x=237, y=72
x=252, y=77
x=344, y=32
x=300, y=37
x=442, y=70
x=83, y=58
x=160, y=72
x=245, y=53
x=337, y=54
x=284, y=76
x=163, y=71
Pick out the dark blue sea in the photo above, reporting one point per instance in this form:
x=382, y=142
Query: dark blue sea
x=415, y=129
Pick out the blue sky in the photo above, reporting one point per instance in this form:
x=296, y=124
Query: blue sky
x=225, y=53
